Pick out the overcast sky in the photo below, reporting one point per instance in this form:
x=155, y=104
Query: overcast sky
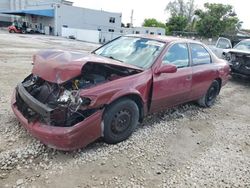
x=155, y=8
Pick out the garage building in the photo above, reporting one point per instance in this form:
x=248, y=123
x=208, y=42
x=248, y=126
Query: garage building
x=49, y=16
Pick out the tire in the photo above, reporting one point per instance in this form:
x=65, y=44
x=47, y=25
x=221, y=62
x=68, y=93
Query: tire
x=120, y=120
x=11, y=31
x=209, y=98
x=23, y=31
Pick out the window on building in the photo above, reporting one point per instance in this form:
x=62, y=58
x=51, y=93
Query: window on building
x=137, y=32
x=147, y=31
x=99, y=29
x=111, y=20
x=199, y=55
x=111, y=30
x=121, y=31
x=152, y=33
x=159, y=33
x=177, y=55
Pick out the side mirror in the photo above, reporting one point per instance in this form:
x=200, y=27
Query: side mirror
x=168, y=68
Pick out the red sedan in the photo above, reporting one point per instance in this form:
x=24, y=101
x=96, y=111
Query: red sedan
x=71, y=99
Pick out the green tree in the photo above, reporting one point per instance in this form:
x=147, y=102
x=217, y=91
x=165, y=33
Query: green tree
x=216, y=19
x=152, y=22
x=181, y=8
x=177, y=23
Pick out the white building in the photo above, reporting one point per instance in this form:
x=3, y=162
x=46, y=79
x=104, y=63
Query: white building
x=60, y=17
x=144, y=30
x=42, y=14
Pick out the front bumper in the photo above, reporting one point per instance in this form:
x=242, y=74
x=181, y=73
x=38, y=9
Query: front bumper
x=239, y=70
x=63, y=138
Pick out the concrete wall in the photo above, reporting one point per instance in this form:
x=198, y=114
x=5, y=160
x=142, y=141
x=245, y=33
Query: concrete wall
x=81, y=34
x=82, y=18
x=144, y=30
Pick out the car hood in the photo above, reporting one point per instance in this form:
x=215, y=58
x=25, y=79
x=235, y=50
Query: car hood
x=60, y=66
x=232, y=50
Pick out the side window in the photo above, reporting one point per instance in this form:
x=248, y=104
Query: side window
x=199, y=55
x=223, y=43
x=177, y=55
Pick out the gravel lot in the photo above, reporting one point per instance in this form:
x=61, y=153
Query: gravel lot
x=186, y=146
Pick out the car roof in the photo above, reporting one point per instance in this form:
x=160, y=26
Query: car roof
x=163, y=38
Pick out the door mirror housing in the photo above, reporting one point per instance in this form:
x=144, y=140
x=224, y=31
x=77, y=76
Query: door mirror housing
x=168, y=68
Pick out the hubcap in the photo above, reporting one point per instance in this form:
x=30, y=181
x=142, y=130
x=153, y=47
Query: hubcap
x=121, y=121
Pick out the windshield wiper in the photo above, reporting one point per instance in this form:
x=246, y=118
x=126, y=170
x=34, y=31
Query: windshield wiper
x=111, y=57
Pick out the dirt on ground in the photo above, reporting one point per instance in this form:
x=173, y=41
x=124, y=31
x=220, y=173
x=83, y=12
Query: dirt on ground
x=186, y=146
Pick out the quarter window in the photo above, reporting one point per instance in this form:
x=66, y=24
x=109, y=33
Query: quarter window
x=177, y=55
x=200, y=55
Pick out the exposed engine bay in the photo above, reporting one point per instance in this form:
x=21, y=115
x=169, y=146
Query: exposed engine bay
x=239, y=62
x=61, y=104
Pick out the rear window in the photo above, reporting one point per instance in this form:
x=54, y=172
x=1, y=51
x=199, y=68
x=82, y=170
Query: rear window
x=200, y=55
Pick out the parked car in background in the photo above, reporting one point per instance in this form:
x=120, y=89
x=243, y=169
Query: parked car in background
x=221, y=44
x=71, y=99
x=239, y=58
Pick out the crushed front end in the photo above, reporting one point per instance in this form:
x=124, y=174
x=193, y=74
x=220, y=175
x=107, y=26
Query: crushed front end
x=239, y=63
x=56, y=113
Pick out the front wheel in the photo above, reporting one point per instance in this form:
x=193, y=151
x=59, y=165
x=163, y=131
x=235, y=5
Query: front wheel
x=11, y=31
x=120, y=120
x=209, y=98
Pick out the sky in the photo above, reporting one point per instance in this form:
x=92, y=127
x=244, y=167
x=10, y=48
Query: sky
x=155, y=9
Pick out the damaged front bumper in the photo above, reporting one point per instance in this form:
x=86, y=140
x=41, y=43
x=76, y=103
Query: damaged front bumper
x=59, y=137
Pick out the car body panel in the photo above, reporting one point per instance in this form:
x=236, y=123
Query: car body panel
x=171, y=89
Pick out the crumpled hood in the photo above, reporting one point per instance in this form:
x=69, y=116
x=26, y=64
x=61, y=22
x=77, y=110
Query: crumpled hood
x=60, y=66
x=236, y=51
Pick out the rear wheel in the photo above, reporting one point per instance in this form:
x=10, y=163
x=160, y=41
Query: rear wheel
x=209, y=98
x=120, y=120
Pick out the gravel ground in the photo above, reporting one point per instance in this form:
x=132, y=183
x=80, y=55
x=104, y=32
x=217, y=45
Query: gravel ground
x=186, y=146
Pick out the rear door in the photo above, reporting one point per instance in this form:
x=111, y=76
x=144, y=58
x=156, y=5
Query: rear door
x=170, y=89
x=203, y=70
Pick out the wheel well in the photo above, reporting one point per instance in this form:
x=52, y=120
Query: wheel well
x=137, y=99
x=219, y=80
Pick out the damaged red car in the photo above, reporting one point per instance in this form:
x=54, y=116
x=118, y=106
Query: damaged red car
x=71, y=99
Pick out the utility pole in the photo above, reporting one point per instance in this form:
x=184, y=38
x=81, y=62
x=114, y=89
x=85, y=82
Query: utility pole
x=132, y=18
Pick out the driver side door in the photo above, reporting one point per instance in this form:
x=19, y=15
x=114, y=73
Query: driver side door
x=170, y=89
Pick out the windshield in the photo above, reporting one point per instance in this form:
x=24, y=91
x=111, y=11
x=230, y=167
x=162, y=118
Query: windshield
x=243, y=45
x=135, y=51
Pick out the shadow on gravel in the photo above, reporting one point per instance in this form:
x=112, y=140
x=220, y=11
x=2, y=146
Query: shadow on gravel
x=37, y=153
x=241, y=81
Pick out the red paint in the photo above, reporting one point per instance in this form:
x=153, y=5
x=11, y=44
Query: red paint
x=13, y=28
x=156, y=91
